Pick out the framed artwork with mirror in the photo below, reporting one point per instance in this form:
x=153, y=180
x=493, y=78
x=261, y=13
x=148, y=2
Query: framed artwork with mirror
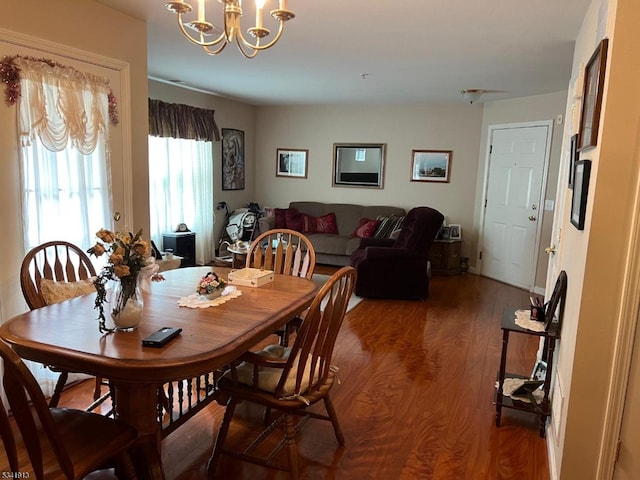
x=358, y=165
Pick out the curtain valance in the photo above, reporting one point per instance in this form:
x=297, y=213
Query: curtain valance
x=59, y=104
x=182, y=121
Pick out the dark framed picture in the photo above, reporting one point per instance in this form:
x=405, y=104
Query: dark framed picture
x=592, y=97
x=444, y=233
x=580, y=192
x=292, y=163
x=539, y=371
x=430, y=165
x=455, y=232
x=232, y=159
x=573, y=157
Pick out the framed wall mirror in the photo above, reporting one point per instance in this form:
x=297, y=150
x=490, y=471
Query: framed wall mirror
x=358, y=164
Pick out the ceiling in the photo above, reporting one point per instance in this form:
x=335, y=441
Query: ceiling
x=411, y=51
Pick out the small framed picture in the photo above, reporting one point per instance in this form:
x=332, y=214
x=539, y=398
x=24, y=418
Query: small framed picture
x=431, y=165
x=444, y=233
x=455, y=232
x=539, y=371
x=292, y=163
x=582, y=171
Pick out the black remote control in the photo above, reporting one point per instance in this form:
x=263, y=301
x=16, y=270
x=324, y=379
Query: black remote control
x=161, y=337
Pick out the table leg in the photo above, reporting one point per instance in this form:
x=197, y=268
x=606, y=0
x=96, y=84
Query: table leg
x=501, y=374
x=137, y=404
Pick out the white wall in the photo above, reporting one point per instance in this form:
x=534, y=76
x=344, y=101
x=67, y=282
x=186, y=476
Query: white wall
x=518, y=110
x=599, y=308
x=428, y=127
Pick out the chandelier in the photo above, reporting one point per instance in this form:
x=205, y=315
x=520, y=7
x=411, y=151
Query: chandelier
x=231, y=32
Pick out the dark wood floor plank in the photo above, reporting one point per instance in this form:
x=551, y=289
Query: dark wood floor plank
x=414, y=399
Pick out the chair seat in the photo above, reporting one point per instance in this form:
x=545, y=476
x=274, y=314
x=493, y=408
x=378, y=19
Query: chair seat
x=247, y=392
x=83, y=433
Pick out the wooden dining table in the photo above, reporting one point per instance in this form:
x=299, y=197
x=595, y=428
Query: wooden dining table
x=66, y=336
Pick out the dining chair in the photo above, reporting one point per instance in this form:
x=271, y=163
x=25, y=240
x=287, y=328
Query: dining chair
x=60, y=442
x=289, y=380
x=286, y=252
x=53, y=272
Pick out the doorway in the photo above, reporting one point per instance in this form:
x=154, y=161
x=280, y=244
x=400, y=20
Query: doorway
x=517, y=165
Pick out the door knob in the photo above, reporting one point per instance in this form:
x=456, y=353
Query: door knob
x=550, y=250
x=532, y=218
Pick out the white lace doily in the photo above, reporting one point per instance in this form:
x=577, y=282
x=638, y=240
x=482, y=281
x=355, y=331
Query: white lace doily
x=198, y=301
x=511, y=384
x=523, y=320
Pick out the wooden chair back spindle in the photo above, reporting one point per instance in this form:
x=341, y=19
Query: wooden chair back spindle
x=284, y=251
x=59, y=261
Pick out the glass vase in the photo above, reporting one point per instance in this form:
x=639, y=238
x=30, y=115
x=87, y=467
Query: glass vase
x=127, y=304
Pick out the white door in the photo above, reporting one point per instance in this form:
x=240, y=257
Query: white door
x=512, y=217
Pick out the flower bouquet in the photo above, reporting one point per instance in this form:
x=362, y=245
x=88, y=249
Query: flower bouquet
x=128, y=255
x=211, y=285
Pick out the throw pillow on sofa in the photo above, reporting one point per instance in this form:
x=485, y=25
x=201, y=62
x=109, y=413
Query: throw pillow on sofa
x=388, y=225
x=366, y=228
x=324, y=224
x=289, y=218
x=294, y=219
x=327, y=224
x=281, y=219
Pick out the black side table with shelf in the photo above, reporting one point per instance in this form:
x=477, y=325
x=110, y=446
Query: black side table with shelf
x=543, y=409
x=183, y=244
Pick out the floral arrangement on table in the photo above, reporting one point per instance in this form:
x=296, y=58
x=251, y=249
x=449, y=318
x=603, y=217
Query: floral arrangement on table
x=128, y=255
x=211, y=285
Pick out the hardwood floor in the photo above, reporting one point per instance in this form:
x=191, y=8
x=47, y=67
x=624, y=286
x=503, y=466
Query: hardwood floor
x=414, y=402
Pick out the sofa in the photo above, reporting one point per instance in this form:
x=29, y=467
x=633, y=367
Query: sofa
x=334, y=229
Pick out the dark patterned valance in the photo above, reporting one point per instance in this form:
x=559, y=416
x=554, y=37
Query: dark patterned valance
x=182, y=121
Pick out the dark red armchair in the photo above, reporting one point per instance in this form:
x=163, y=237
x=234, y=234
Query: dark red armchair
x=398, y=268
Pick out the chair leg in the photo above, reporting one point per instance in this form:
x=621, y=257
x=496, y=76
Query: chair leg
x=125, y=469
x=290, y=442
x=97, y=389
x=221, y=437
x=334, y=419
x=57, y=391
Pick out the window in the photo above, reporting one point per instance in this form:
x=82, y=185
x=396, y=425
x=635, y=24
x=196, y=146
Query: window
x=58, y=186
x=181, y=190
x=63, y=118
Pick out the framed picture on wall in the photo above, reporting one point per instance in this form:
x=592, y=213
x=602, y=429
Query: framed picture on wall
x=580, y=193
x=232, y=159
x=292, y=163
x=430, y=165
x=592, y=97
x=573, y=157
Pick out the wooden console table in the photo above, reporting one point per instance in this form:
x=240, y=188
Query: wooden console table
x=543, y=409
x=444, y=256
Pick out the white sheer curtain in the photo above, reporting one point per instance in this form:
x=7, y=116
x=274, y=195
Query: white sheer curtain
x=63, y=121
x=181, y=191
